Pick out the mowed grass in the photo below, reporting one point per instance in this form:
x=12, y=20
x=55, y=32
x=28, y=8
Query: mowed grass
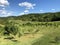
x=35, y=33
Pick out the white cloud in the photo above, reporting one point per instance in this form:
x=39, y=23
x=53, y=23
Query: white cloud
x=22, y=13
x=41, y=10
x=53, y=9
x=4, y=3
x=26, y=11
x=3, y=8
x=27, y=5
x=5, y=13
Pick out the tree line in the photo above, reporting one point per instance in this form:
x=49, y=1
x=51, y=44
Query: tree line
x=42, y=17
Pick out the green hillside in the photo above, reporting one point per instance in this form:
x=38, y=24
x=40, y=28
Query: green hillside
x=42, y=17
x=30, y=29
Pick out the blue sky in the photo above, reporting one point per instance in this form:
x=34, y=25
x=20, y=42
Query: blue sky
x=20, y=7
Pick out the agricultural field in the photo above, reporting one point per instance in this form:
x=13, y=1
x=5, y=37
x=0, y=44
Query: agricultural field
x=16, y=32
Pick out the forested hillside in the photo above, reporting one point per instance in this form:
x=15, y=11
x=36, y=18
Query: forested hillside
x=42, y=17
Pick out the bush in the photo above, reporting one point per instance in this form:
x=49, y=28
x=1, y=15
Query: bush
x=11, y=28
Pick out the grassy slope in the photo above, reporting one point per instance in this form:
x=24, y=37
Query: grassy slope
x=45, y=36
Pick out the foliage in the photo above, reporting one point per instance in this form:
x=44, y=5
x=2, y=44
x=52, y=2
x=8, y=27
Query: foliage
x=11, y=28
x=43, y=17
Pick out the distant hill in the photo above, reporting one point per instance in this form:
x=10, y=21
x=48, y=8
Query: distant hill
x=42, y=17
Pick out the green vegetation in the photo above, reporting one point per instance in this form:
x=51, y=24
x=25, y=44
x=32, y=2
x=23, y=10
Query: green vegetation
x=31, y=29
x=43, y=17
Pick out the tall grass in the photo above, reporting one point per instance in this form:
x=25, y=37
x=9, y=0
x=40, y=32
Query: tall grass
x=49, y=30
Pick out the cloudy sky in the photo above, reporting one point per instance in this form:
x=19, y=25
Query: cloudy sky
x=19, y=7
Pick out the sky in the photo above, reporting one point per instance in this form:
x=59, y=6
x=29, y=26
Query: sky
x=20, y=7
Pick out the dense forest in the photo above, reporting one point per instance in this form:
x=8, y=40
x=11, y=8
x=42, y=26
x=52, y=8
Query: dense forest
x=42, y=17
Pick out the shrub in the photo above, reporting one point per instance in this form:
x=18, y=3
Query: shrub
x=11, y=28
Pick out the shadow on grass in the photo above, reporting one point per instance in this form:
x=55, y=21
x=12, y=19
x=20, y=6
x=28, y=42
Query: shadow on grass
x=11, y=38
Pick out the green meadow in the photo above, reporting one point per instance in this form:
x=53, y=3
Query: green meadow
x=16, y=32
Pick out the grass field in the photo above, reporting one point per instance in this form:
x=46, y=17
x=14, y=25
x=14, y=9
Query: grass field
x=34, y=33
